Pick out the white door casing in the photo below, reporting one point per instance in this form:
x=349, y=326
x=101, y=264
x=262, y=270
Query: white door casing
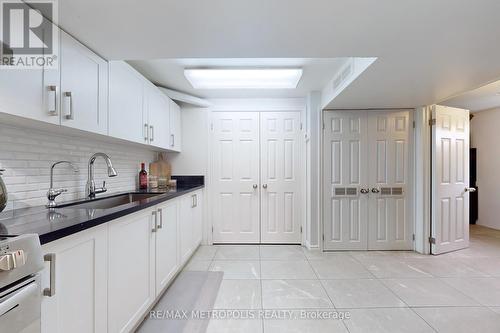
x=235, y=165
x=280, y=157
x=345, y=160
x=450, y=179
x=389, y=212
x=367, y=180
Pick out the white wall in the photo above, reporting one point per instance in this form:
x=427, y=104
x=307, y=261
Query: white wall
x=486, y=137
x=27, y=155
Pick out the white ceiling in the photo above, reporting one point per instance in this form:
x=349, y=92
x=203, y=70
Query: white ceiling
x=484, y=98
x=170, y=73
x=427, y=50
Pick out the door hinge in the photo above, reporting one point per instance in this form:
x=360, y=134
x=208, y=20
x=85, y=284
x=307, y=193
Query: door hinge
x=212, y=127
x=432, y=122
x=413, y=237
x=323, y=237
x=301, y=126
x=323, y=126
x=414, y=124
x=212, y=230
x=432, y=240
x=300, y=229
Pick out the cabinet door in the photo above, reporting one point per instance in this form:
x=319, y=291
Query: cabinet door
x=166, y=244
x=131, y=288
x=126, y=103
x=31, y=93
x=158, y=118
x=186, y=236
x=197, y=218
x=175, y=127
x=79, y=302
x=84, y=87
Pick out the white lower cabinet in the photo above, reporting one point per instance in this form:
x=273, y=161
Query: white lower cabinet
x=107, y=277
x=78, y=301
x=131, y=260
x=166, y=244
x=190, y=219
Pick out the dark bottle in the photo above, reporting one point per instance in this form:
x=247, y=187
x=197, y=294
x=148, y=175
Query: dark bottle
x=143, y=177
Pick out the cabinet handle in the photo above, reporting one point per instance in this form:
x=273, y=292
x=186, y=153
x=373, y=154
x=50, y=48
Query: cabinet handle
x=51, y=290
x=68, y=97
x=152, y=133
x=146, y=132
x=52, y=101
x=172, y=140
x=155, y=221
x=375, y=190
x=193, y=204
x=264, y=186
x=160, y=212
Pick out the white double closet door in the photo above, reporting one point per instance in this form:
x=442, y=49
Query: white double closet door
x=367, y=180
x=256, y=170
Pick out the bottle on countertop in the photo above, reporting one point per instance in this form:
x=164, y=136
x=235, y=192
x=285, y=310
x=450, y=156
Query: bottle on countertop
x=143, y=177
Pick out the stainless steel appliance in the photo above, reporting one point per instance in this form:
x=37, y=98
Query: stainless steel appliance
x=20, y=290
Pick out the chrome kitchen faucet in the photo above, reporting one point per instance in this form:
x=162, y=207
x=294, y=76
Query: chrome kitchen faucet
x=90, y=189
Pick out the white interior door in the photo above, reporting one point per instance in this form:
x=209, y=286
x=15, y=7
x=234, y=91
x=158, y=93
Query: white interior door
x=235, y=165
x=450, y=179
x=345, y=176
x=280, y=177
x=390, y=208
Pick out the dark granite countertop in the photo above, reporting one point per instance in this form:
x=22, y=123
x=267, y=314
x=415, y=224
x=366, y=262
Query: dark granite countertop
x=52, y=224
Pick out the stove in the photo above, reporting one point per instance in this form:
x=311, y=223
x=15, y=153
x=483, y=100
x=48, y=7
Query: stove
x=21, y=262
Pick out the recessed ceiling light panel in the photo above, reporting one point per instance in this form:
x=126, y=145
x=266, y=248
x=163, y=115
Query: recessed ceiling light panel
x=278, y=78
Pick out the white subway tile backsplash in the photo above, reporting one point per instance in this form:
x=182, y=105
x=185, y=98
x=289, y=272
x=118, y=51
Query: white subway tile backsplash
x=27, y=155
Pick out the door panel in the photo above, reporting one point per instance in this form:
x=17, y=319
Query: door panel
x=235, y=160
x=450, y=179
x=390, y=226
x=84, y=75
x=280, y=167
x=345, y=174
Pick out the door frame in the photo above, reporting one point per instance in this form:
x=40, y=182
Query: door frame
x=256, y=105
x=413, y=167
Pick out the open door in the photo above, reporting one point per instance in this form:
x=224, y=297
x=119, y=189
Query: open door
x=450, y=179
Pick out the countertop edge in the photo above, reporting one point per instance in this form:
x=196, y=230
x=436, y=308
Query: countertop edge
x=70, y=230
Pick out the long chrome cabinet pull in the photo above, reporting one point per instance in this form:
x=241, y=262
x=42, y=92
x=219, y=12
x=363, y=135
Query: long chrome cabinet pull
x=51, y=290
x=69, y=109
x=146, y=132
x=155, y=222
x=52, y=101
x=160, y=212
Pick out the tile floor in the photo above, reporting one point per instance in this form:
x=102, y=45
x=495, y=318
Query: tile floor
x=382, y=291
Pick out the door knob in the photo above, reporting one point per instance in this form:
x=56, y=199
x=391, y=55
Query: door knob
x=365, y=190
x=254, y=186
x=375, y=190
x=470, y=189
x=264, y=185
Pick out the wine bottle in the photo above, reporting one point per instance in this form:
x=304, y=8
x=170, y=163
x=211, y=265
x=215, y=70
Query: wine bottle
x=143, y=177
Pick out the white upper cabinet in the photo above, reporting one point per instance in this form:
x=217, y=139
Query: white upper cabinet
x=175, y=127
x=158, y=117
x=84, y=87
x=126, y=103
x=30, y=93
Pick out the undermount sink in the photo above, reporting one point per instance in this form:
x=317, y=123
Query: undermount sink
x=110, y=202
